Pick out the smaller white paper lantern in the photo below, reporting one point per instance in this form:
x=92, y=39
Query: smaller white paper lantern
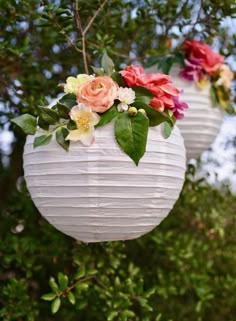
x=97, y=193
x=202, y=121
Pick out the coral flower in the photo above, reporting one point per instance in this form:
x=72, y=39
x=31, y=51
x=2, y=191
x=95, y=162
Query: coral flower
x=85, y=121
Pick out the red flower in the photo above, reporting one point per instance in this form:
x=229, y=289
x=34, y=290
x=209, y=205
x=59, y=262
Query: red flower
x=159, y=85
x=201, y=54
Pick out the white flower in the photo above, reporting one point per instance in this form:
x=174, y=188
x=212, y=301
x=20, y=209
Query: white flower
x=126, y=95
x=85, y=121
x=122, y=107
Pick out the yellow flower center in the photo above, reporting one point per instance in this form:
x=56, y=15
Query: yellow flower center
x=83, y=120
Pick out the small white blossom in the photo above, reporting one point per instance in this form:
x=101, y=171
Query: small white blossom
x=126, y=95
x=122, y=107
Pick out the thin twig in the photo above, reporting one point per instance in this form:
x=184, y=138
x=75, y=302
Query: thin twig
x=84, y=31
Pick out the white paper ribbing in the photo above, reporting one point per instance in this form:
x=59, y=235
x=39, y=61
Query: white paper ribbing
x=97, y=193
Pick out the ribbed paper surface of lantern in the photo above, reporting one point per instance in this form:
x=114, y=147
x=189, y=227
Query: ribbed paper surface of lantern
x=97, y=193
x=202, y=122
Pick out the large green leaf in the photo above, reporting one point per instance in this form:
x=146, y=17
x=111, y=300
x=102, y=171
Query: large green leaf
x=27, y=123
x=42, y=140
x=106, y=117
x=155, y=117
x=131, y=134
x=107, y=64
x=142, y=94
x=61, y=135
x=50, y=116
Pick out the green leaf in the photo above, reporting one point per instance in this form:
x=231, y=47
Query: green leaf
x=116, y=76
x=71, y=125
x=53, y=284
x=142, y=94
x=63, y=110
x=131, y=134
x=71, y=297
x=106, y=117
x=50, y=116
x=42, y=124
x=48, y=297
x=55, y=305
x=107, y=64
x=27, y=123
x=167, y=129
x=155, y=117
x=112, y=315
x=61, y=135
x=63, y=281
x=98, y=71
x=68, y=100
x=81, y=272
x=42, y=140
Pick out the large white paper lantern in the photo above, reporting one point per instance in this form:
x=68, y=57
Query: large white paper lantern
x=202, y=121
x=97, y=193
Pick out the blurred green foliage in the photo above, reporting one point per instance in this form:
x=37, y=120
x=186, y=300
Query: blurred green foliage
x=185, y=269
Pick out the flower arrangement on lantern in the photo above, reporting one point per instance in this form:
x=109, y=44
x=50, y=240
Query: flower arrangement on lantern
x=130, y=98
x=204, y=66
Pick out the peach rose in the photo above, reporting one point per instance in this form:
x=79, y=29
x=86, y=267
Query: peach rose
x=201, y=54
x=98, y=93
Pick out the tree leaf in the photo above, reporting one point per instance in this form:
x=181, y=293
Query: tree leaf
x=50, y=116
x=53, y=284
x=106, y=117
x=63, y=281
x=107, y=64
x=167, y=129
x=42, y=140
x=61, y=135
x=48, y=296
x=27, y=123
x=98, y=71
x=131, y=134
x=71, y=297
x=155, y=117
x=55, y=305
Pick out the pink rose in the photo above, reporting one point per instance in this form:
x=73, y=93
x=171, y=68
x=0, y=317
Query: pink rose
x=98, y=93
x=201, y=54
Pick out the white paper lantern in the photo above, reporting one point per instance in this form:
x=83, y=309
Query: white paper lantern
x=97, y=193
x=202, y=121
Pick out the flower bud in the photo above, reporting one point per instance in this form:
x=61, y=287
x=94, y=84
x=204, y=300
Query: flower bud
x=132, y=111
x=142, y=111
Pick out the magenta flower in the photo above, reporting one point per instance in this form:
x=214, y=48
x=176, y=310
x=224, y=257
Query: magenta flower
x=179, y=108
x=192, y=71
